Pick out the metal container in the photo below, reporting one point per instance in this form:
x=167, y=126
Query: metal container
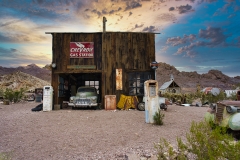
x=110, y=102
x=151, y=100
x=38, y=98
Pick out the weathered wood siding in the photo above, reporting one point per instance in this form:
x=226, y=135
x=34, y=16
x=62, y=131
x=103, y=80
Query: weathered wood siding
x=132, y=52
x=61, y=56
x=61, y=50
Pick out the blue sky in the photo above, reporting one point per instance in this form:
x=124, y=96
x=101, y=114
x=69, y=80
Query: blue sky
x=196, y=35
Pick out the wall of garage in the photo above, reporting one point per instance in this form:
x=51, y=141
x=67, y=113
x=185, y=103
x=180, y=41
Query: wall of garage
x=130, y=51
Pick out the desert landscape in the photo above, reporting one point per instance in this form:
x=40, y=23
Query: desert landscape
x=89, y=134
x=94, y=134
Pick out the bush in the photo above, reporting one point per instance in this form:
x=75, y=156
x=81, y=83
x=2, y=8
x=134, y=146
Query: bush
x=14, y=96
x=158, y=118
x=202, y=143
x=5, y=155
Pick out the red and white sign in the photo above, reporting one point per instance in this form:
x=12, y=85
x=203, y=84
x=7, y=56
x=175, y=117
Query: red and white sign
x=81, y=50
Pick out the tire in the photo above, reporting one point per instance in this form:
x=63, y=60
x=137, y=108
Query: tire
x=163, y=106
x=141, y=106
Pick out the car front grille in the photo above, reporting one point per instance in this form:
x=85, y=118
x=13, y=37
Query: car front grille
x=83, y=101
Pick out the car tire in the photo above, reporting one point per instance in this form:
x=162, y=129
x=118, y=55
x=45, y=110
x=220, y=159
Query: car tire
x=141, y=106
x=163, y=106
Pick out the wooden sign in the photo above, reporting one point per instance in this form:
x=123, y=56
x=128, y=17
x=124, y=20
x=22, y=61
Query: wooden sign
x=118, y=79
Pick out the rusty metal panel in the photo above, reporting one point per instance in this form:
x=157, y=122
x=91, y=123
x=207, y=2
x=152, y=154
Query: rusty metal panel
x=118, y=79
x=110, y=102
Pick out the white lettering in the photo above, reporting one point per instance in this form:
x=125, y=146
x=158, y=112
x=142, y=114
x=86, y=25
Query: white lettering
x=81, y=49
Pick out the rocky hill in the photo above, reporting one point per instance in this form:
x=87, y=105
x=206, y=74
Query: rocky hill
x=188, y=81
x=18, y=79
x=33, y=76
x=32, y=69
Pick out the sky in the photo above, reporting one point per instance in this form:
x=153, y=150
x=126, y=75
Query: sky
x=195, y=35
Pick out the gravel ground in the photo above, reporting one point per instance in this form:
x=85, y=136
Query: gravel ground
x=88, y=134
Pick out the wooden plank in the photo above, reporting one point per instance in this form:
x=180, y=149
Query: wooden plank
x=81, y=66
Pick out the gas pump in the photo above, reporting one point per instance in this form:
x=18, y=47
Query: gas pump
x=47, y=98
x=151, y=100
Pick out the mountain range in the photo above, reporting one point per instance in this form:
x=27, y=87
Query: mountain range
x=32, y=76
x=189, y=81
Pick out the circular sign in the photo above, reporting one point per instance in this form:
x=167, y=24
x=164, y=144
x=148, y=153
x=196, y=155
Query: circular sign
x=154, y=65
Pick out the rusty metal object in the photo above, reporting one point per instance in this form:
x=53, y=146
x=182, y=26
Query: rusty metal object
x=110, y=102
x=220, y=109
x=219, y=113
x=227, y=102
x=118, y=79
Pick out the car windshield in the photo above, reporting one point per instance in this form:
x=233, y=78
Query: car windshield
x=86, y=90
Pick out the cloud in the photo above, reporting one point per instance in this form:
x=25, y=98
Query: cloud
x=190, y=54
x=184, y=9
x=171, y=9
x=215, y=35
x=209, y=37
x=150, y=29
x=174, y=41
x=10, y=53
x=132, y=5
x=164, y=49
x=10, y=22
x=207, y=1
x=25, y=55
x=167, y=17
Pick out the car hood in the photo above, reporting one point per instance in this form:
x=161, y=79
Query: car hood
x=85, y=94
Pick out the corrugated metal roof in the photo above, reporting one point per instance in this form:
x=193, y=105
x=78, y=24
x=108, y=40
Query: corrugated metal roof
x=165, y=85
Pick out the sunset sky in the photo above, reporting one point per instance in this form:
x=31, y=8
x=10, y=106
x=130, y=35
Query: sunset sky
x=196, y=35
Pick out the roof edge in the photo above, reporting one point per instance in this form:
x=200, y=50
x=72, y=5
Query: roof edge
x=101, y=32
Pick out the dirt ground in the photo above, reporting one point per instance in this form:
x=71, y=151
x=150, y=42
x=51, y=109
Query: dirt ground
x=88, y=134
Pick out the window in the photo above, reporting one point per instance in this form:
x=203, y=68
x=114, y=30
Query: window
x=92, y=84
x=174, y=91
x=136, y=82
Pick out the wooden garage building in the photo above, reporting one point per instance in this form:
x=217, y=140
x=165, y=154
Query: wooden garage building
x=114, y=62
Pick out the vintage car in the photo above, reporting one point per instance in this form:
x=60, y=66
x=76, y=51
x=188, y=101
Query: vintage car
x=225, y=114
x=85, y=97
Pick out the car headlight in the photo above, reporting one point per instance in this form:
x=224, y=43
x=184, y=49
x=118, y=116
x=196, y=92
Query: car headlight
x=71, y=99
x=231, y=109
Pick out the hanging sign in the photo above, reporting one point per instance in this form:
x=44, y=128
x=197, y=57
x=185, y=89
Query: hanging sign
x=119, y=79
x=81, y=50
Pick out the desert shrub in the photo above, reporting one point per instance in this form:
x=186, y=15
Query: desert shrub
x=5, y=156
x=233, y=96
x=158, y=118
x=13, y=96
x=181, y=98
x=1, y=92
x=202, y=142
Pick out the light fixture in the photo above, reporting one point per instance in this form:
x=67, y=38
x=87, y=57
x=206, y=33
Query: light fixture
x=54, y=65
x=154, y=66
